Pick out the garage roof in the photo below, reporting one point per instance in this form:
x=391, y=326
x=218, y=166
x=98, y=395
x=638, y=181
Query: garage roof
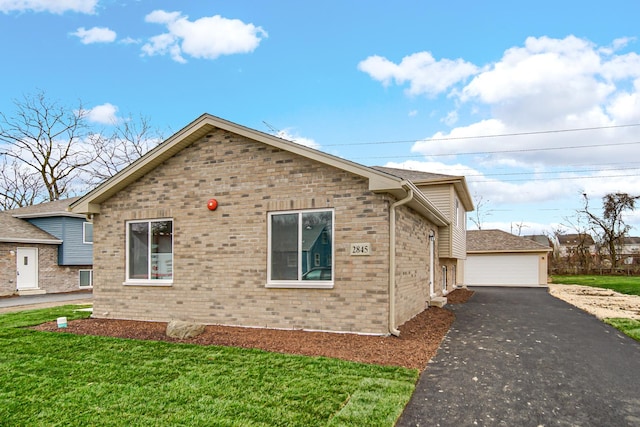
x=488, y=241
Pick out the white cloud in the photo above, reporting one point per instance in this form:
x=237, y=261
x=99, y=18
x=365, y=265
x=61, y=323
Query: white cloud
x=425, y=75
x=307, y=142
x=617, y=45
x=545, y=80
x=95, y=35
x=104, y=114
x=548, y=84
x=129, y=40
x=51, y=6
x=451, y=118
x=206, y=38
x=517, y=137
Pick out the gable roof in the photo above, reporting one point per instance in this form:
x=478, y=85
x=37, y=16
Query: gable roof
x=16, y=230
x=429, y=178
x=575, y=239
x=540, y=238
x=47, y=209
x=491, y=241
x=378, y=181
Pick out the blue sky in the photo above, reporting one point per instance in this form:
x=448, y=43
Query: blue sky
x=535, y=103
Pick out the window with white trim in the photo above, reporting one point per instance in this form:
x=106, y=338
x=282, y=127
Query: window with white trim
x=300, y=249
x=150, y=251
x=87, y=232
x=85, y=278
x=444, y=278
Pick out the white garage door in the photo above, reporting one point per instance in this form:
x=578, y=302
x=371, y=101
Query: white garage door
x=501, y=270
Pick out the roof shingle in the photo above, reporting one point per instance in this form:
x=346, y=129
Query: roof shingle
x=16, y=230
x=500, y=241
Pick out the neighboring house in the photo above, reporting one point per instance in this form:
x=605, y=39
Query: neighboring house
x=45, y=249
x=222, y=224
x=578, y=244
x=630, y=253
x=498, y=258
x=451, y=196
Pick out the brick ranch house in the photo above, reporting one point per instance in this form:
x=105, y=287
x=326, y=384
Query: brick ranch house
x=222, y=224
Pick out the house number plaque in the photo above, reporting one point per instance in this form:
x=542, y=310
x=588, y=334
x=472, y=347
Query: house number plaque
x=360, y=249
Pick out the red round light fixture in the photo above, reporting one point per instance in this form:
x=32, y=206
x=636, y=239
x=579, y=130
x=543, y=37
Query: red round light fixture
x=212, y=204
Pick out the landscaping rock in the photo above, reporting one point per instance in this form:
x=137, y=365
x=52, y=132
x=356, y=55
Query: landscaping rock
x=182, y=330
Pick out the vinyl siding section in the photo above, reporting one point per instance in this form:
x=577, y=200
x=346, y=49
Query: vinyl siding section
x=453, y=237
x=458, y=230
x=72, y=251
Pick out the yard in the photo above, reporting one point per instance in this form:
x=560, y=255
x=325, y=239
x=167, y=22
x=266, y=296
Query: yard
x=629, y=285
x=626, y=285
x=72, y=380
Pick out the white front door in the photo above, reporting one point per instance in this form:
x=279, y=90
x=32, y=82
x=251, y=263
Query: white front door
x=27, y=268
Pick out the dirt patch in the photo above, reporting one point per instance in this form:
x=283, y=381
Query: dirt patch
x=602, y=303
x=418, y=342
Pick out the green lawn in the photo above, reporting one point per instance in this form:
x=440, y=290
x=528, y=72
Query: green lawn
x=59, y=379
x=629, y=327
x=629, y=285
x=624, y=284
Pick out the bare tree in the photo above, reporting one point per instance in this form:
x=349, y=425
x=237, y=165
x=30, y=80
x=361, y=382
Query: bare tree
x=46, y=149
x=45, y=139
x=480, y=212
x=610, y=226
x=130, y=140
x=518, y=226
x=18, y=186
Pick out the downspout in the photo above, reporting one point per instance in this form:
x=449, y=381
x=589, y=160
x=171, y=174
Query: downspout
x=392, y=262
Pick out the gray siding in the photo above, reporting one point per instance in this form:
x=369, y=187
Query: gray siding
x=72, y=251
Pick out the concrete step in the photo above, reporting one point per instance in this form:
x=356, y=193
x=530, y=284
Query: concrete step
x=438, y=302
x=35, y=291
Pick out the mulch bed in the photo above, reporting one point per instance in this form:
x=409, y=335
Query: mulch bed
x=418, y=342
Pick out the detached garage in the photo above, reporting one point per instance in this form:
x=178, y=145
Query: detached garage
x=498, y=258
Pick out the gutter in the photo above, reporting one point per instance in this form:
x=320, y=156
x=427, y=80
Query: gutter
x=392, y=260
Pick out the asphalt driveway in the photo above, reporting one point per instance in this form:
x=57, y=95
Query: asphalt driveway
x=520, y=357
x=45, y=300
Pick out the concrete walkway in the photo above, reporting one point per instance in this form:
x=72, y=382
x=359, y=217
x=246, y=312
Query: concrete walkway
x=520, y=357
x=43, y=301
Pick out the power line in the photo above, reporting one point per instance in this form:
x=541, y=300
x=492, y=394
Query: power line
x=521, y=150
x=563, y=178
x=501, y=135
x=552, y=172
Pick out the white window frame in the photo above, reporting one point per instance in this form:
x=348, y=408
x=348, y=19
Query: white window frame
x=301, y=284
x=90, y=278
x=148, y=282
x=84, y=233
x=444, y=279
